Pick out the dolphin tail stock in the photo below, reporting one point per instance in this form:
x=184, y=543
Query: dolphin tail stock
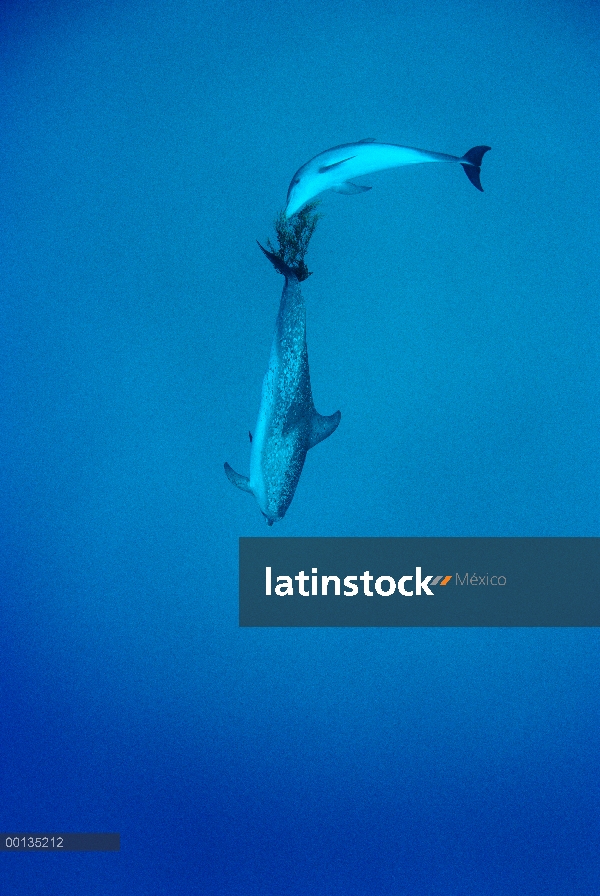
x=322, y=427
x=241, y=482
x=279, y=264
x=471, y=162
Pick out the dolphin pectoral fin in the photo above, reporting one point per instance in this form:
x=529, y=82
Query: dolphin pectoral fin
x=471, y=162
x=349, y=188
x=334, y=165
x=240, y=481
x=322, y=427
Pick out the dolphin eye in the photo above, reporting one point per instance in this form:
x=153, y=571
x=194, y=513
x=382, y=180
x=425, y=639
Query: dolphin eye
x=295, y=181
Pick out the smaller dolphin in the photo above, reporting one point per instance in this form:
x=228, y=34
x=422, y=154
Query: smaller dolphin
x=334, y=168
x=287, y=424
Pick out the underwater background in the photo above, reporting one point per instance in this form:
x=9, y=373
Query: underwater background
x=145, y=147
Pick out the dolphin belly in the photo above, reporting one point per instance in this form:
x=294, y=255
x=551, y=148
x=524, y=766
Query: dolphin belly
x=380, y=157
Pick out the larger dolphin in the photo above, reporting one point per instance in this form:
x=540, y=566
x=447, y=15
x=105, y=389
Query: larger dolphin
x=287, y=424
x=334, y=168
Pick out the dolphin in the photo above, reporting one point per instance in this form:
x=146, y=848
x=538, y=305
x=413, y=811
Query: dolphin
x=288, y=424
x=334, y=168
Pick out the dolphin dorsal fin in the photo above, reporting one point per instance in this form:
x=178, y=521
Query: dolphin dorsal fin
x=368, y=140
x=322, y=427
x=239, y=481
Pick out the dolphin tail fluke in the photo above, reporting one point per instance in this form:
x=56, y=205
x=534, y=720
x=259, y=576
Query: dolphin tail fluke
x=239, y=481
x=322, y=427
x=471, y=162
x=279, y=264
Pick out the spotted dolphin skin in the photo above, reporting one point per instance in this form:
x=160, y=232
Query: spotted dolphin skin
x=335, y=168
x=287, y=424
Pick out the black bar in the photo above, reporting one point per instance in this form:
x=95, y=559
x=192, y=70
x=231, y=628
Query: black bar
x=59, y=842
x=501, y=582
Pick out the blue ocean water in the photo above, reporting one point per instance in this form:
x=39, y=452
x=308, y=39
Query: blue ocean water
x=146, y=146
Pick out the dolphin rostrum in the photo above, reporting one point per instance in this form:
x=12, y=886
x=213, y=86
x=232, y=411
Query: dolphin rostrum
x=335, y=168
x=287, y=424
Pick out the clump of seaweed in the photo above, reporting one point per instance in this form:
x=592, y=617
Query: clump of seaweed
x=293, y=236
